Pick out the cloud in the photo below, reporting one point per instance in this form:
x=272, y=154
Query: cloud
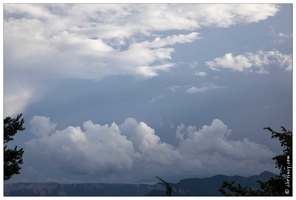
x=237, y=63
x=83, y=152
x=90, y=42
x=16, y=102
x=193, y=89
x=251, y=61
x=174, y=88
x=215, y=151
x=153, y=100
x=285, y=35
x=29, y=10
x=148, y=72
x=160, y=121
x=171, y=40
x=223, y=15
x=41, y=126
x=202, y=74
x=133, y=152
x=193, y=64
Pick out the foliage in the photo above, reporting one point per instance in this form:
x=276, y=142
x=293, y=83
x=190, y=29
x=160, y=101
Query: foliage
x=236, y=190
x=169, y=189
x=12, y=157
x=278, y=186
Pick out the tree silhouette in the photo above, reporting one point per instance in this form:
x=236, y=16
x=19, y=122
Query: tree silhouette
x=169, y=189
x=12, y=157
x=280, y=185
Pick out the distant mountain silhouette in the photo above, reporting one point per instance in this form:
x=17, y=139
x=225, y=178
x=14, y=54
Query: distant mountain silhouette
x=185, y=187
x=210, y=186
x=77, y=189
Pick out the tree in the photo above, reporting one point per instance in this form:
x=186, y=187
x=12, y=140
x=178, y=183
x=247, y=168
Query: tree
x=278, y=186
x=12, y=157
x=169, y=189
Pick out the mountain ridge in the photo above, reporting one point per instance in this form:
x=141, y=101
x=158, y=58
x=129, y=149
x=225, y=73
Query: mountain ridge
x=208, y=186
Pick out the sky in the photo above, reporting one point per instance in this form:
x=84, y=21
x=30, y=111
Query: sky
x=121, y=93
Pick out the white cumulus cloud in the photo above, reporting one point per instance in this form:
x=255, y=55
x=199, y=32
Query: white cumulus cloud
x=211, y=147
x=202, y=74
x=251, y=61
x=97, y=149
x=41, y=126
x=132, y=151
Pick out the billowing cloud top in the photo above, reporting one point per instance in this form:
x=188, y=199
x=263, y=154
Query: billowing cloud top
x=132, y=152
